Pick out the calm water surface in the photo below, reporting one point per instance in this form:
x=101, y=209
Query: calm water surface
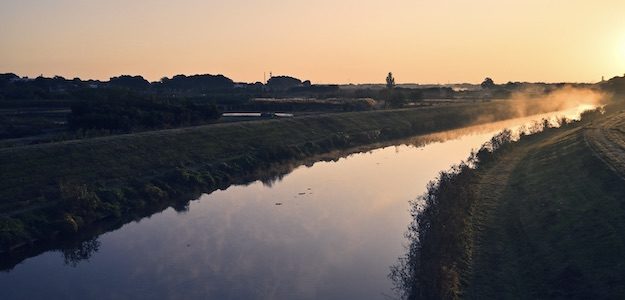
x=329, y=231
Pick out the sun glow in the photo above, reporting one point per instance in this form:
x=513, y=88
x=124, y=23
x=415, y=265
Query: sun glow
x=325, y=41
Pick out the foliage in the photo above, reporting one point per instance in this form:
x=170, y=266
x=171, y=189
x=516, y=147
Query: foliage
x=398, y=99
x=78, y=199
x=390, y=81
x=12, y=231
x=130, y=114
x=205, y=82
x=283, y=82
x=130, y=82
x=488, y=83
x=437, y=255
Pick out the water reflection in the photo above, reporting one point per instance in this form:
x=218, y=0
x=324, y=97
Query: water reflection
x=77, y=252
x=335, y=233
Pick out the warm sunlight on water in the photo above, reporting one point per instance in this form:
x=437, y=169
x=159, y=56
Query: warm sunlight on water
x=330, y=231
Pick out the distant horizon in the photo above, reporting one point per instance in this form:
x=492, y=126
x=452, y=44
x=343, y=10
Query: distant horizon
x=303, y=78
x=349, y=41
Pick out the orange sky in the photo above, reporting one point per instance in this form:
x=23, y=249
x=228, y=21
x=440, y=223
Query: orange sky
x=326, y=41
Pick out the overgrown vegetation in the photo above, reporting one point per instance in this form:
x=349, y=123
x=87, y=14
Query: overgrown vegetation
x=535, y=218
x=439, y=251
x=132, y=114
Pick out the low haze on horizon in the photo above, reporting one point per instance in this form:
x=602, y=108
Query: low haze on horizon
x=324, y=41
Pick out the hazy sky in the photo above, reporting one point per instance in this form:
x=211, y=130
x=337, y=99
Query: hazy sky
x=338, y=41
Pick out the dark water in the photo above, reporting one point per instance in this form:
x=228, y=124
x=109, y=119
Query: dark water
x=329, y=231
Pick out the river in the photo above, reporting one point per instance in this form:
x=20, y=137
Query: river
x=327, y=231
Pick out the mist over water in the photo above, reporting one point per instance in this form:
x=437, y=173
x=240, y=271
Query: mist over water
x=528, y=101
x=533, y=101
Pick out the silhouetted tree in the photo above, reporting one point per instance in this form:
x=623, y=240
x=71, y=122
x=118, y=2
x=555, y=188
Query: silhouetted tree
x=390, y=85
x=390, y=81
x=488, y=83
x=131, y=82
x=283, y=82
x=7, y=78
x=197, y=82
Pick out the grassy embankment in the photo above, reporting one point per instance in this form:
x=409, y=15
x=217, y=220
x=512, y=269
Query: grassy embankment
x=540, y=218
x=62, y=187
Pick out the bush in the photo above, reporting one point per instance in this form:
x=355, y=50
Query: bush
x=155, y=193
x=135, y=113
x=78, y=199
x=11, y=231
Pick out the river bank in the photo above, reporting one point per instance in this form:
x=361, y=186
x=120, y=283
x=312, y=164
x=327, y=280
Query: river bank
x=57, y=189
x=537, y=218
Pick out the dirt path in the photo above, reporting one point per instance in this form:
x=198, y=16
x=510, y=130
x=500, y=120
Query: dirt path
x=607, y=140
x=550, y=216
x=490, y=237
